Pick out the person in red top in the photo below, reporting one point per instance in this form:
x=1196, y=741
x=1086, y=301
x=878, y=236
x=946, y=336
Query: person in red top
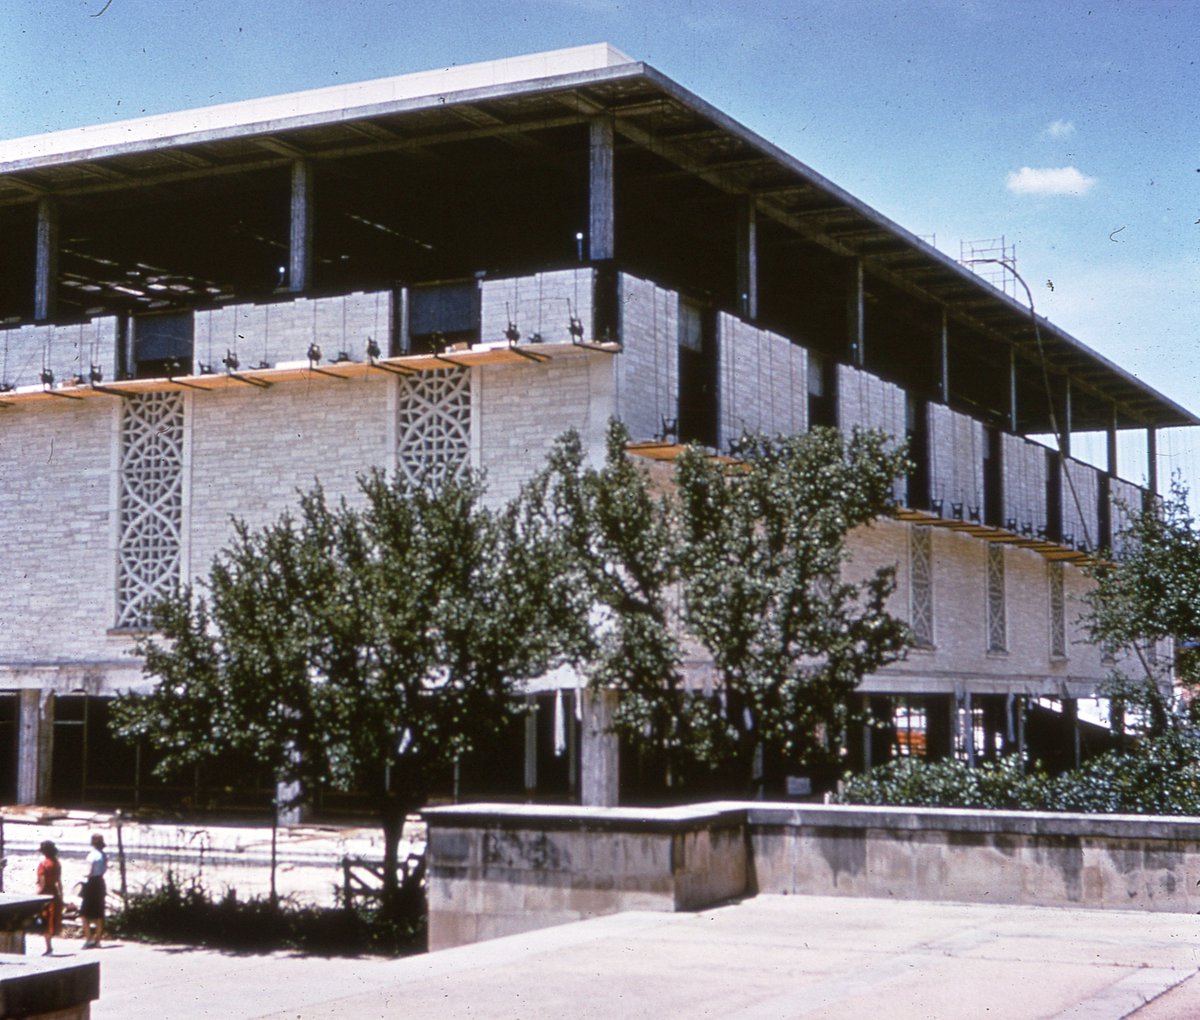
x=49, y=883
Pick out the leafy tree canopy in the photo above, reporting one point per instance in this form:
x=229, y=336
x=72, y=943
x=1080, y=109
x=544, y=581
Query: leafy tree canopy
x=746, y=562
x=361, y=648
x=1146, y=596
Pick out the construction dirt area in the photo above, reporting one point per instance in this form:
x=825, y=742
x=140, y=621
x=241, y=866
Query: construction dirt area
x=310, y=866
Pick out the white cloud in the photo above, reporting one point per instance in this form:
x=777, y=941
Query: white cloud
x=1059, y=129
x=1050, y=180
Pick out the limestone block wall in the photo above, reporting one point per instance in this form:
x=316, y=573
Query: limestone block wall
x=282, y=330
x=1125, y=499
x=253, y=450
x=542, y=303
x=522, y=409
x=763, y=382
x=502, y=869
x=56, y=499
x=66, y=350
x=868, y=402
x=647, y=370
x=1036, y=858
x=956, y=449
x=1081, y=503
x=865, y=401
x=1024, y=482
x=959, y=658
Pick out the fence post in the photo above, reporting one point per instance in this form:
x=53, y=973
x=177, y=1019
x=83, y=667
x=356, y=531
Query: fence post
x=274, y=851
x=121, y=859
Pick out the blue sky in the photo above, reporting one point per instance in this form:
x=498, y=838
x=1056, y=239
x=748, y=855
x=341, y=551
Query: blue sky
x=1071, y=128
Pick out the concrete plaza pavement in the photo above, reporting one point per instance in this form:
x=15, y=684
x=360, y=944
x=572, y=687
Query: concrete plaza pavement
x=767, y=957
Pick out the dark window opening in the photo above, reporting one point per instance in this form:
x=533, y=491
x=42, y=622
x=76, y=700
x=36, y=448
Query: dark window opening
x=162, y=345
x=697, y=373
x=442, y=314
x=993, y=478
x=917, y=412
x=1054, y=470
x=822, y=391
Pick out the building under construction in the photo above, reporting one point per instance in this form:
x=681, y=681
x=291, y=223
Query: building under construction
x=202, y=312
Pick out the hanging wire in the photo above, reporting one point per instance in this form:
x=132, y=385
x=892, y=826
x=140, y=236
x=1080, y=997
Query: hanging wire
x=1055, y=429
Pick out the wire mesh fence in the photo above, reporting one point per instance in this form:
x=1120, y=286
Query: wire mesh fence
x=309, y=861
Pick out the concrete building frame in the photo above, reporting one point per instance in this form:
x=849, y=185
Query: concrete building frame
x=202, y=312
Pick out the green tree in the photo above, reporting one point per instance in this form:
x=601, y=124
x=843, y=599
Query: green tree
x=1147, y=595
x=351, y=648
x=763, y=559
x=744, y=561
x=614, y=564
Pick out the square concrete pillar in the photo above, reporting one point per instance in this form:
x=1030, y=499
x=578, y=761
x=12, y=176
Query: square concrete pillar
x=599, y=750
x=35, y=746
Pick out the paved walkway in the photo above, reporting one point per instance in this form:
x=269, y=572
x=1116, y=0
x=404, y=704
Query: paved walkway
x=770, y=957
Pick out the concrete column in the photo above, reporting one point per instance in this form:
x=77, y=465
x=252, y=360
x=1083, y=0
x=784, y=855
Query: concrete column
x=1022, y=709
x=1152, y=461
x=943, y=387
x=599, y=781
x=856, y=315
x=747, y=257
x=1064, y=426
x=45, y=283
x=1111, y=445
x=1070, y=716
x=35, y=746
x=1012, y=390
x=531, y=746
x=601, y=203
x=868, y=759
x=968, y=728
x=300, y=250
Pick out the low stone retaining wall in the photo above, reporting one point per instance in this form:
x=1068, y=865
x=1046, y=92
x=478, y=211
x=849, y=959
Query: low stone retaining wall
x=1037, y=858
x=33, y=988
x=500, y=869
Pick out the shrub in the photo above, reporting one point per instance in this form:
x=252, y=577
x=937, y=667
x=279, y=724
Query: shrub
x=1160, y=776
x=191, y=915
x=914, y=782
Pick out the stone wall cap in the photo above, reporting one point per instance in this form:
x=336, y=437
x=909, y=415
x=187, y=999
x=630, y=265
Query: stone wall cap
x=982, y=820
x=574, y=816
x=32, y=986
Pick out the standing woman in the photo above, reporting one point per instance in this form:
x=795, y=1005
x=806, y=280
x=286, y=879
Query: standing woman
x=94, y=894
x=49, y=883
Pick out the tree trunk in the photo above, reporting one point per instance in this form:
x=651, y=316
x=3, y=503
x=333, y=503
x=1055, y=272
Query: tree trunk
x=394, y=815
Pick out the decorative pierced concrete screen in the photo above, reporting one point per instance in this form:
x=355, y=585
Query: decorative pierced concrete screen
x=150, y=504
x=1058, y=611
x=920, y=558
x=433, y=425
x=997, y=622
